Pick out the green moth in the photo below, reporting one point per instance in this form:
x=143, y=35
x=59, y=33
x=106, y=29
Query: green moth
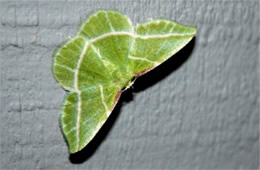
x=102, y=60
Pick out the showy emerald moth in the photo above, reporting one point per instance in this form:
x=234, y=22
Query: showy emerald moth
x=101, y=60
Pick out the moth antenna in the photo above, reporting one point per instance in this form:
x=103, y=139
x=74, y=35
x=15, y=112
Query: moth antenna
x=130, y=85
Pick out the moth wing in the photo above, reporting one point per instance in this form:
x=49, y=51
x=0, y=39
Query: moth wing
x=65, y=62
x=155, y=42
x=83, y=114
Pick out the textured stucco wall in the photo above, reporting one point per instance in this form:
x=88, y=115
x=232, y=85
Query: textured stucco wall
x=199, y=110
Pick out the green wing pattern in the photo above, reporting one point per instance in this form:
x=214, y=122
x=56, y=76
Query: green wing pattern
x=155, y=42
x=101, y=60
x=85, y=112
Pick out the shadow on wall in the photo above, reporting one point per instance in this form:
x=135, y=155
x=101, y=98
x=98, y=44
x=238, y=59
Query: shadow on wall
x=140, y=84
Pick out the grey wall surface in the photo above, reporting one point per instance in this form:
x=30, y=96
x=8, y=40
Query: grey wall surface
x=199, y=110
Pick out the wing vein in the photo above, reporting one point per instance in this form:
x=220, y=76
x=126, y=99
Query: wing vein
x=138, y=36
x=96, y=50
x=65, y=67
x=78, y=66
x=103, y=100
x=144, y=59
x=76, y=87
x=109, y=22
